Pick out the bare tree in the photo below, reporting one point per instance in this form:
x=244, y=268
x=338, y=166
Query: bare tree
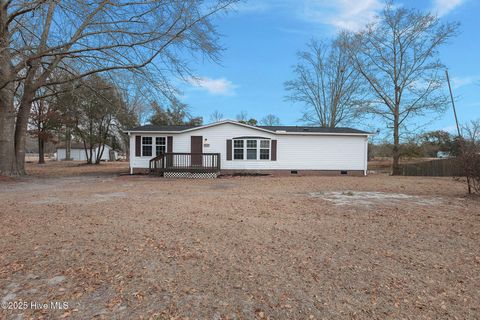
x=80, y=37
x=97, y=111
x=470, y=154
x=43, y=124
x=216, y=116
x=471, y=131
x=326, y=84
x=270, y=120
x=398, y=57
x=242, y=116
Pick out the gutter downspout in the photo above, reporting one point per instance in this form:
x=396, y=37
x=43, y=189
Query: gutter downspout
x=366, y=157
x=130, y=156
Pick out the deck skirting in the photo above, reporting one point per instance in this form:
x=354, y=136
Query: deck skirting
x=190, y=175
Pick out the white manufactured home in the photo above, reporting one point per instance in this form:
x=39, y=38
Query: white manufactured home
x=232, y=147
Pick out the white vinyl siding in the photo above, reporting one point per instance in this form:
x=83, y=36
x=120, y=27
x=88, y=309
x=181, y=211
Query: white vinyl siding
x=79, y=154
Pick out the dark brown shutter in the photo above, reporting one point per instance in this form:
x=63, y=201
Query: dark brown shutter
x=169, y=144
x=274, y=150
x=229, y=149
x=138, y=146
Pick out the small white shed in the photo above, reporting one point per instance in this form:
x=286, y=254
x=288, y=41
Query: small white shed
x=77, y=153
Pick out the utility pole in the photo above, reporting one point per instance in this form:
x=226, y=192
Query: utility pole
x=453, y=103
x=462, y=144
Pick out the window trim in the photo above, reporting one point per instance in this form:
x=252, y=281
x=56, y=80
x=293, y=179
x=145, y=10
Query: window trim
x=153, y=145
x=158, y=145
x=239, y=148
x=147, y=145
x=258, y=148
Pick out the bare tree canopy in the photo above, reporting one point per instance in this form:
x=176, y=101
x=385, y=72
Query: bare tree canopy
x=326, y=84
x=44, y=121
x=148, y=38
x=398, y=57
x=216, y=116
x=242, y=116
x=270, y=120
x=471, y=131
x=95, y=110
x=470, y=154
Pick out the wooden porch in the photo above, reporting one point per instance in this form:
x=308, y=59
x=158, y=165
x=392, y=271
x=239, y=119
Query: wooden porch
x=177, y=162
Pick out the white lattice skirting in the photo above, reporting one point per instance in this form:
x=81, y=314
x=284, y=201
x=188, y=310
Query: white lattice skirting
x=191, y=175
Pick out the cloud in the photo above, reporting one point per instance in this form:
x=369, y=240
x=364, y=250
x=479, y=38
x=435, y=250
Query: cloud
x=458, y=82
x=443, y=7
x=219, y=87
x=342, y=14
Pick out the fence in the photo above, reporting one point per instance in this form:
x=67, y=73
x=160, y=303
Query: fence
x=451, y=167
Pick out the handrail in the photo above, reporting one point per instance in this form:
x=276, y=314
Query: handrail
x=185, y=162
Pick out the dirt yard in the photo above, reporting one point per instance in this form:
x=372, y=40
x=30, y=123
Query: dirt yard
x=133, y=247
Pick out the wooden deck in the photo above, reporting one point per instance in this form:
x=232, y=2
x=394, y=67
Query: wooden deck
x=185, y=162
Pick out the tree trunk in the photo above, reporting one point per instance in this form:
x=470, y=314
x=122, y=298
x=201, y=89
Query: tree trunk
x=22, y=126
x=23, y=115
x=396, y=170
x=86, y=150
x=7, y=130
x=90, y=154
x=7, y=109
x=41, y=152
x=68, y=145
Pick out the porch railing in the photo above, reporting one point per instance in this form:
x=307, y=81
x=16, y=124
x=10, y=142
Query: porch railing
x=185, y=162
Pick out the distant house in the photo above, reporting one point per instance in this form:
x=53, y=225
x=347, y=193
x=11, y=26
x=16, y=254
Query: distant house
x=443, y=154
x=77, y=152
x=230, y=147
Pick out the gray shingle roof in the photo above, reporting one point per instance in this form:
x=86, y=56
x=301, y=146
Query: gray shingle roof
x=151, y=127
x=311, y=129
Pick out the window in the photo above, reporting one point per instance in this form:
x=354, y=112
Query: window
x=251, y=149
x=147, y=146
x=264, y=149
x=238, y=149
x=160, y=145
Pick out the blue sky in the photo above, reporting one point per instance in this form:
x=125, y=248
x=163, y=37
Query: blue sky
x=261, y=39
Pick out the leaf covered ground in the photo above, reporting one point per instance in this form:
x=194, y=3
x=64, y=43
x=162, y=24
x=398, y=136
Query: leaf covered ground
x=131, y=247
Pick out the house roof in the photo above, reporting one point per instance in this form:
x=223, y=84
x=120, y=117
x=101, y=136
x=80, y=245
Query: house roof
x=312, y=129
x=270, y=129
x=152, y=127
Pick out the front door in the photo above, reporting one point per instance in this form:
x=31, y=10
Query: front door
x=196, y=149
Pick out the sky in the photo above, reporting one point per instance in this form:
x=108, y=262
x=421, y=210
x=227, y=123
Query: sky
x=261, y=39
